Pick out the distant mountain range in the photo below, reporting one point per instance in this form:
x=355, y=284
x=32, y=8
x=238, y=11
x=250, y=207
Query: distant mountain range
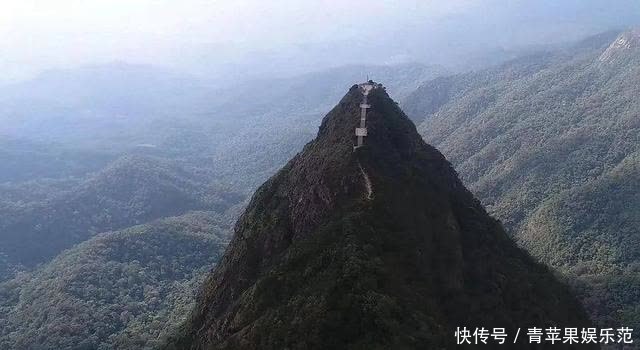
x=105, y=111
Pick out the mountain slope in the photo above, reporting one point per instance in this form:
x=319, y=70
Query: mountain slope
x=319, y=262
x=551, y=152
x=118, y=290
x=130, y=191
x=477, y=89
x=591, y=232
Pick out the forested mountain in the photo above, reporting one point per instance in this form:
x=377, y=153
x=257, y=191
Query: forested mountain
x=130, y=191
x=269, y=121
x=186, y=147
x=118, y=290
x=591, y=232
x=378, y=247
x=550, y=144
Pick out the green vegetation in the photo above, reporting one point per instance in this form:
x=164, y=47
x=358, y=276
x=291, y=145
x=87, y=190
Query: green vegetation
x=550, y=145
x=130, y=191
x=591, y=233
x=118, y=290
x=107, y=147
x=315, y=264
x=548, y=142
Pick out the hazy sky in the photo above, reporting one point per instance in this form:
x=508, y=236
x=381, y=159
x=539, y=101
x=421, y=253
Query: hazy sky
x=41, y=34
x=52, y=32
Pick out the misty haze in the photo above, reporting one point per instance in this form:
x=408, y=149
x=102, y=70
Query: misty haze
x=319, y=174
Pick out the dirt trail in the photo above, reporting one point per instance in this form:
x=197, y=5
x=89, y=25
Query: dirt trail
x=367, y=182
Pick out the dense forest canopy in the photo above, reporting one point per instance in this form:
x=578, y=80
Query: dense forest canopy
x=550, y=144
x=117, y=290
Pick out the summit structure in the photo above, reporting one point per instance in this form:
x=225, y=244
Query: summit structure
x=318, y=261
x=361, y=131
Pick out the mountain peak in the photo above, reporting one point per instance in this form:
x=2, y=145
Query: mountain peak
x=331, y=169
x=625, y=42
x=388, y=129
x=380, y=246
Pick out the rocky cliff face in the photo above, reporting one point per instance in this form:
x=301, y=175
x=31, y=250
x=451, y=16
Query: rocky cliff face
x=377, y=248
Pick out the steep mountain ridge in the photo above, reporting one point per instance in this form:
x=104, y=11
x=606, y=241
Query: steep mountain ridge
x=318, y=262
